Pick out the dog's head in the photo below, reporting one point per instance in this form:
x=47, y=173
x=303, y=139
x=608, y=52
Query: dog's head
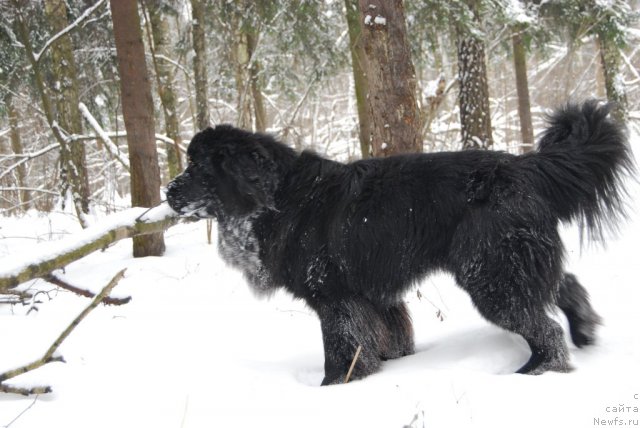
x=230, y=173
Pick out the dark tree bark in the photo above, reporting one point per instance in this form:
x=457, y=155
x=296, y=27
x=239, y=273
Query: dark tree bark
x=391, y=100
x=137, y=109
x=522, y=87
x=359, y=75
x=475, y=112
x=200, y=64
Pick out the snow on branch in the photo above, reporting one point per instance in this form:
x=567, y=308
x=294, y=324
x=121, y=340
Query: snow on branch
x=109, y=145
x=27, y=157
x=43, y=259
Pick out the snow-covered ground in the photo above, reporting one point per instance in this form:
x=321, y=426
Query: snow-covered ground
x=194, y=348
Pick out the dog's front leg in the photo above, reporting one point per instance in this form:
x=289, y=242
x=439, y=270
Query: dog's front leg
x=346, y=325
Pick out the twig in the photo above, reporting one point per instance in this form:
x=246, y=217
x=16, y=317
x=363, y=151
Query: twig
x=48, y=355
x=116, y=301
x=353, y=363
x=33, y=403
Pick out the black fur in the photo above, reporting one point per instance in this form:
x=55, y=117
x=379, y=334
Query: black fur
x=351, y=239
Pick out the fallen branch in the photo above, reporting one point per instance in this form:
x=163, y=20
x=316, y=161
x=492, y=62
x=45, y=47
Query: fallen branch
x=116, y=301
x=44, y=259
x=48, y=356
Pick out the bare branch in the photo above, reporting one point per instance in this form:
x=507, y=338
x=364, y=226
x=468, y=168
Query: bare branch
x=109, y=145
x=66, y=30
x=82, y=292
x=48, y=355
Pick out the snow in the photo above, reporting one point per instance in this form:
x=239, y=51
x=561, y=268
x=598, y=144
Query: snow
x=516, y=12
x=194, y=348
x=380, y=20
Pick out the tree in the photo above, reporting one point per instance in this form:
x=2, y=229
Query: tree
x=359, y=76
x=607, y=22
x=475, y=111
x=59, y=113
x=391, y=100
x=64, y=89
x=200, y=63
x=610, y=34
x=164, y=75
x=137, y=110
x=522, y=88
x=24, y=197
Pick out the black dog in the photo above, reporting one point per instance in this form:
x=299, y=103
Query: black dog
x=351, y=239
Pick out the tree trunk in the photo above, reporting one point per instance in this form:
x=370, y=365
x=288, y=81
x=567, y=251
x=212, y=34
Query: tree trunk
x=241, y=57
x=73, y=163
x=164, y=73
x=475, y=112
x=614, y=84
x=601, y=91
x=359, y=75
x=391, y=101
x=200, y=64
x=137, y=110
x=24, y=196
x=64, y=89
x=522, y=87
x=255, y=71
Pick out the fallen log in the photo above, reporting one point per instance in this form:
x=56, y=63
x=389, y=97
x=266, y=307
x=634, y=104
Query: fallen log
x=47, y=257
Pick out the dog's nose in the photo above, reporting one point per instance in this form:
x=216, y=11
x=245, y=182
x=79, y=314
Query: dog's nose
x=172, y=193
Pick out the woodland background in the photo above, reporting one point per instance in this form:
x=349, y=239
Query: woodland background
x=288, y=68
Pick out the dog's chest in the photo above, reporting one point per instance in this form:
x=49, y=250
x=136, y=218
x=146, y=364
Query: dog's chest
x=239, y=247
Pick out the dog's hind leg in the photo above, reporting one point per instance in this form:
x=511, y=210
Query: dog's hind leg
x=513, y=283
x=398, y=321
x=346, y=325
x=544, y=336
x=573, y=299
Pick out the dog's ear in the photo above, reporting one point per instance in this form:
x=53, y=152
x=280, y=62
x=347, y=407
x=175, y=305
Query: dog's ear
x=254, y=175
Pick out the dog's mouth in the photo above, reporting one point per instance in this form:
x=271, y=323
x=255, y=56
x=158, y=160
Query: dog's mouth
x=196, y=209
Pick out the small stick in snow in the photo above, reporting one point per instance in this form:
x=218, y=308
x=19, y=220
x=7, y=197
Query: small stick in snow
x=353, y=363
x=48, y=356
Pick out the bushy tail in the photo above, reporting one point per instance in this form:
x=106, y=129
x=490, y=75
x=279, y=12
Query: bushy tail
x=580, y=164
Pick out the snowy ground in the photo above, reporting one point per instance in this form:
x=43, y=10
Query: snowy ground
x=195, y=349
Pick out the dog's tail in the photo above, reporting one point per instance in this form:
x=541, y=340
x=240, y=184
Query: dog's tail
x=581, y=162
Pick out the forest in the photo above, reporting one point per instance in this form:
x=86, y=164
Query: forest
x=99, y=100
x=476, y=74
